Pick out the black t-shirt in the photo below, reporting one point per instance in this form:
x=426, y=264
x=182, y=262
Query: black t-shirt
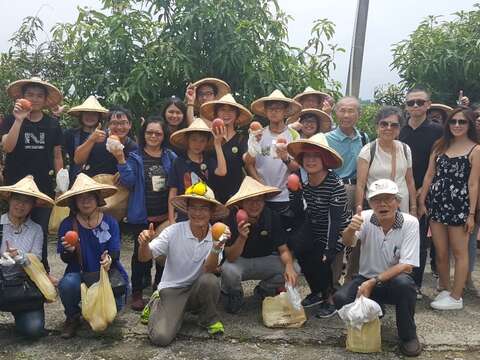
x=185, y=173
x=265, y=236
x=156, y=190
x=34, y=152
x=226, y=186
x=421, y=141
x=101, y=161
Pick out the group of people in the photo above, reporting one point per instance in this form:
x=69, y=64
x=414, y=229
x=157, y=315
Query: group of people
x=303, y=194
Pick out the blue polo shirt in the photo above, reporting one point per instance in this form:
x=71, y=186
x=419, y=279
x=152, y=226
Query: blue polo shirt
x=348, y=148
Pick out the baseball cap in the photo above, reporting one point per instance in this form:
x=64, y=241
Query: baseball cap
x=382, y=186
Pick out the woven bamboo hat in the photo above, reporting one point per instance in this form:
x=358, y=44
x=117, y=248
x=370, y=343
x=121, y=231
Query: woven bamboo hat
x=207, y=110
x=200, y=191
x=311, y=91
x=54, y=96
x=258, y=106
x=251, y=188
x=85, y=184
x=221, y=86
x=316, y=143
x=26, y=186
x=319, y=114
x=89, y=105
x=179, y=137
x=442, y=107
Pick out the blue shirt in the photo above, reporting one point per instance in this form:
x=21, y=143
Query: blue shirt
x=348, y=148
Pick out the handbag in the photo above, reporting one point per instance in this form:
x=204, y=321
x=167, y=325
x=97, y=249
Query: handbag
x=118, y=283
x=18, y=294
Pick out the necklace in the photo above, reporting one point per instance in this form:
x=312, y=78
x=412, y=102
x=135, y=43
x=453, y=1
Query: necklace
x=88, y=218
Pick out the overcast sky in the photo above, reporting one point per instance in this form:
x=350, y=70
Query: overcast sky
x=389, y=21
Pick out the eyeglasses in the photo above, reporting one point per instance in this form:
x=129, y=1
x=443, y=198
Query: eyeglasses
x=383, y=199
x=201, y=209
x=154, y=133
x=457, y=122
x=386, y=124
x=206, y=93
x=418, y=102
x=119, y=123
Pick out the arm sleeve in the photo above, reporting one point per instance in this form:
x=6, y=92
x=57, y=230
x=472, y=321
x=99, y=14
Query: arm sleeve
x=58, y=134
x=338, y=216
x=114, y=242
x=127, y=173
x=409, y=251
x=278, y=233
x=365, y=153
x=38, y=242
x=159, y=245
x=67, y=257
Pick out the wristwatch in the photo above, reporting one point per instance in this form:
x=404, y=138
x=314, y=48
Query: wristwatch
x=286, y=162
x=377, y=281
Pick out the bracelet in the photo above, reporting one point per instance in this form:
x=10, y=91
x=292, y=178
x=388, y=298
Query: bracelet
x=216, y=251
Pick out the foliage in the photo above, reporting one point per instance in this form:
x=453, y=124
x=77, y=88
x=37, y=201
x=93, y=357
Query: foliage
x=139, y=52
x=443, y=56
x=389, y=94
x=366, y=123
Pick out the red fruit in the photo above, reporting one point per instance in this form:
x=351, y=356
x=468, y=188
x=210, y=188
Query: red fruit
x=217, y=123
x=217, y=230
x=293, y=182
x=281, y=140
x=241, y=216
x=255, y=126
x=71, y=238
x=190, y=92
x=25, y=104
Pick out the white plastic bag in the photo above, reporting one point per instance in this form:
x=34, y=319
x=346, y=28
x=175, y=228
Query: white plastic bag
x=294, y=296
x=361, y=311
x=62, y=180
x=253, y=143
x=113, y=144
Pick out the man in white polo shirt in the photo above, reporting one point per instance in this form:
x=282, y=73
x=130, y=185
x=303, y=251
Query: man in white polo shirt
x=188, y=281
x=389, y=241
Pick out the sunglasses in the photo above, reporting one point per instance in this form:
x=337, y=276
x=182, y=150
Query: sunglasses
x=457, y=122
x=386, y=124
x=418, y=102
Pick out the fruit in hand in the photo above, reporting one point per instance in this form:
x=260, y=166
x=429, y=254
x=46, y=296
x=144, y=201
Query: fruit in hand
x=71, y=238
x=218, y=229
x=255, y=126
x=293, y=182
x=241, y=216
x=25, y=104
x=281, y=140
x=217, y=123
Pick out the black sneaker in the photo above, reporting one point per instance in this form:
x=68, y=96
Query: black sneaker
x=311, y=300
x=233, y=302
x=326, y=310
x=261, y=293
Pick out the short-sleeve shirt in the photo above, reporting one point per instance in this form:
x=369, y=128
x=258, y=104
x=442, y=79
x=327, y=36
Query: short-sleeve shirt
x=226, y=186
x=348, y=148
x=34, y=152
x=265, y=236
x=185, y=254
x=269, y=166
x=380, y=251
x=421, y=142
x=185, y=172
x=156, y=189
x=381, y=168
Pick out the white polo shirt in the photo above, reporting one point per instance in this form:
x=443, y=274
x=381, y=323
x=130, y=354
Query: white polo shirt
x=185, y=254
x=380, y=251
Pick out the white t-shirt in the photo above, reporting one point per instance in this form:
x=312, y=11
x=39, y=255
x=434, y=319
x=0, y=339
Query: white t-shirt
x=381, y=168
x=270, y=167
x=380, y=251
x=185, y=254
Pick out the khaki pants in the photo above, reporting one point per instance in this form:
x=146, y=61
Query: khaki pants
x=167, y=312
x=353, y=257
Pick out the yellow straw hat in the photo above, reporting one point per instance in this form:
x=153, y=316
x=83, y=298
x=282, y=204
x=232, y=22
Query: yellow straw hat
x=258, y=106
x=321, y=115
x=317, y=143
x=26, y=186
x=251, y=188
x=85, y=184
x=200, y=191
x=89, y=105
x=310, y=91
x=222, y=87
x=207, y=110
x=54, y=96
x=179, y=137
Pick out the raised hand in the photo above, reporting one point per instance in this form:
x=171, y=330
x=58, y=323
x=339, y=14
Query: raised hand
x=146, y=235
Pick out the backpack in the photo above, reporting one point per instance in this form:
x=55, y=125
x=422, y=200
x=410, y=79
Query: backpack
x=373, y=149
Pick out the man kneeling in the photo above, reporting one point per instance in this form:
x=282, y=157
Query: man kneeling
x=188, y=282
x=389, y=251
x=258, y=249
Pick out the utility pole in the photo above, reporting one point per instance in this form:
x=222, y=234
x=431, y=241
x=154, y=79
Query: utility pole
x=356, y=53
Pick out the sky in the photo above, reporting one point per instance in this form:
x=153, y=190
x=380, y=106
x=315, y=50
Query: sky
x=389, y=21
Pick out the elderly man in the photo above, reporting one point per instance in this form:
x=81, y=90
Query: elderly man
x=390, y=241
x=188, y=282
x=347, y=140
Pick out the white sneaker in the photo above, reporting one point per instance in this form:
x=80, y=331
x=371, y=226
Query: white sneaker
x=441, y=295
x=447, y=303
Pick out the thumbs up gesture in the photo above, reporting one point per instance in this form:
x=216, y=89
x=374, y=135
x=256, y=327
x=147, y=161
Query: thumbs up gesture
x=357, y=219
x=147, y=235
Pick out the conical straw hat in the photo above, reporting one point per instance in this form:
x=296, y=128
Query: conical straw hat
x=89, y=105
x=207, y=110
x=84, y=184
x=203, y=193
x=222, y=87
x=54, y=96
x=26, y=186
x=316, y=143
x=251, y=188
x=443, y=107
x=321, y=115
x=258, y=106
x=179, y=137
x=311, y=91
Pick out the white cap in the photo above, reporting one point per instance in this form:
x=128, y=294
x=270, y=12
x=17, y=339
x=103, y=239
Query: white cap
x=382, y=186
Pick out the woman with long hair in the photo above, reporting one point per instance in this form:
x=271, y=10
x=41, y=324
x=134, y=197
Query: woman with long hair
x=174, y=114
x=450, y=190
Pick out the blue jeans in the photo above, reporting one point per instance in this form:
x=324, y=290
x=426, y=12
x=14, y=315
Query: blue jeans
x=30, y=324
x=69, y=290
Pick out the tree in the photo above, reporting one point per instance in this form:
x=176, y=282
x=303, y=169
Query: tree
x=389, y=94
x=140, y=52
x=443, y=56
